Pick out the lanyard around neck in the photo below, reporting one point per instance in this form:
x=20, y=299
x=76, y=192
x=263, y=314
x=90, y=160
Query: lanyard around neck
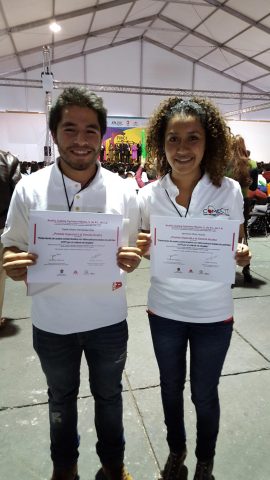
x=179, y=213
x=70, y=204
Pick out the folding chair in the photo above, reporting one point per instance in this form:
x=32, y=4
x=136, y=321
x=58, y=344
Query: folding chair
x=259, y=221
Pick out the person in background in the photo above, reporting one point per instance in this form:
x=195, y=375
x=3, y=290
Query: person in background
x=121, y=171
x=253, y=173
x=139, y=152
x=240, y=170
x=41, y=165
x=72, y=319
x=266, y=172
x=192, y=146
x=10, y=174
x=116, y=152
x=34, y=167
x=146, y=173
x=24, y=168
x=102, y=154
x=134, y=149
x=130, y=177
x=111, y=152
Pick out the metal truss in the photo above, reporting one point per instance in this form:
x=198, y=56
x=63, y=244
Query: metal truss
x=254, y=108
x=137, y=90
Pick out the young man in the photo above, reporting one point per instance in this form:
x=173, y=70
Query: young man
x=9, y=175
x=69, y=319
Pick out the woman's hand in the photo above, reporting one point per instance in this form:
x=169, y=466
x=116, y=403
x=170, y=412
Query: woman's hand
x=243, y=255
x=128, y=258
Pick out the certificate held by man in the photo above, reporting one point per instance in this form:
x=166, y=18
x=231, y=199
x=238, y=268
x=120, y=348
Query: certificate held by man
x=194, y=249
x=74, y=247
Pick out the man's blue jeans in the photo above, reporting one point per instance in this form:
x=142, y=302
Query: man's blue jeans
x=105, y=350
x=208, y=347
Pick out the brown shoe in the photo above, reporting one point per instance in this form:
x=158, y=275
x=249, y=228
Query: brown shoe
x=68, y=473
x=113, y=473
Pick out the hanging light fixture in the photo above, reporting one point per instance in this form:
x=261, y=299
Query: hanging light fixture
x=55, y=27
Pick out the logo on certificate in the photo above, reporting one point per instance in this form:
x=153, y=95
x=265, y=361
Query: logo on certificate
x=61, y=273
x=116, y=285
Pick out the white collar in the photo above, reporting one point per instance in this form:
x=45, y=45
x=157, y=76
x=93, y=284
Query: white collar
x=71, y=182
x=167, y=183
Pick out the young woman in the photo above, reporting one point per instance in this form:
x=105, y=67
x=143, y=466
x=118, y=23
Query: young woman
x=240, y=170
x=192, y=146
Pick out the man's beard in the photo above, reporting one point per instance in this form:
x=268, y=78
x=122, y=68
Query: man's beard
x=76, y=165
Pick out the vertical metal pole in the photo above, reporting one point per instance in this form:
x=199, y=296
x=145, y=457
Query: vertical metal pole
x=193, y=75
x=241, y=101
x=84, y=70
x=47, y=79
x=141, y=77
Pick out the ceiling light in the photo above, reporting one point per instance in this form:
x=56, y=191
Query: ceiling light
x=55, y=27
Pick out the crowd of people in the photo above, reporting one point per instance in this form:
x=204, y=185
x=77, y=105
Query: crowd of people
x=30, y=167
x=192, y=154
x=121, y=151
x=253, y=177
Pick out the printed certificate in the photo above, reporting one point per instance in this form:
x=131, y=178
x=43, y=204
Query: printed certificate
x=197, y=249
x=74, y=247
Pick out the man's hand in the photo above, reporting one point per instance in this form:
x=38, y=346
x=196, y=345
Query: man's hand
x=15, y=262
x=243, y=255
x=144, y=242
x=128, y=258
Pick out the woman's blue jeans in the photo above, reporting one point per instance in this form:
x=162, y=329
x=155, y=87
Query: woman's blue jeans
x=105, y=351
x=208, y=345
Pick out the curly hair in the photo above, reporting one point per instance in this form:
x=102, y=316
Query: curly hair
x=217, y=153
x=239, y=168
x=81, y=97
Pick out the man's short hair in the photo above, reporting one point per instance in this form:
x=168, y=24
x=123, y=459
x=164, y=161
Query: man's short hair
x=81, y=97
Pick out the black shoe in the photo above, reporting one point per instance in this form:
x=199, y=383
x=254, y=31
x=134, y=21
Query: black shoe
x=68, y=473
x=247, y=275
x=204, y=470
x=174, y=468
x=3, y=322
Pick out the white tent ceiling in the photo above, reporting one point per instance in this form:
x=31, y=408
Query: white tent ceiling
x=228, y=39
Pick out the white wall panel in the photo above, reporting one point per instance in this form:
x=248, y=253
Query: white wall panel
x=23, y=135
x=257, y=138
x=164, y=69
x=70, y=71
x=118, y=65
x=35, y=98
x=208, y=80
x=125, y=105
x=35, y=74
x=13, y=98
x=150, y=103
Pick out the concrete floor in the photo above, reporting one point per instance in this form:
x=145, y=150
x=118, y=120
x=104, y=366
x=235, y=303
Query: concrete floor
x=244, y=440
